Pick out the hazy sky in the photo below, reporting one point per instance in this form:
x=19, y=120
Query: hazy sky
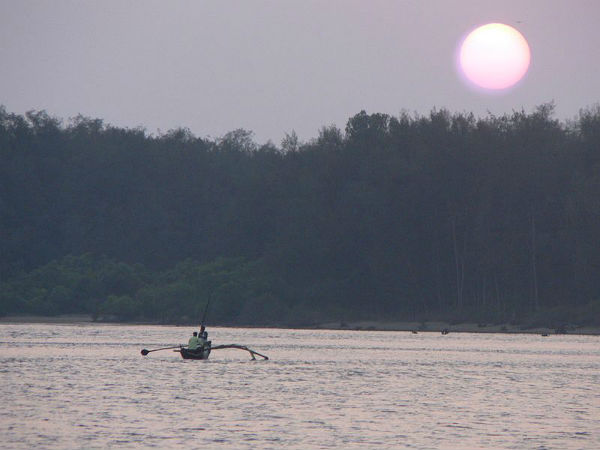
x=281, y=65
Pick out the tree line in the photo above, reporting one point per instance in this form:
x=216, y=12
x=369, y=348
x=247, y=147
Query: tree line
x=439, y=216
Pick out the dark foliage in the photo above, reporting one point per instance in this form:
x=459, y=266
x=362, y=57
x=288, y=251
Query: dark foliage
x=442, y=216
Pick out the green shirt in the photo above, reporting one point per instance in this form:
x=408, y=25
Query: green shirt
x=193, y=343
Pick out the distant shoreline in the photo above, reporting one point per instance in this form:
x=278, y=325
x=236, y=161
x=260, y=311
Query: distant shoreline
x=418, y=327
x=62, y=319
x=466, y=327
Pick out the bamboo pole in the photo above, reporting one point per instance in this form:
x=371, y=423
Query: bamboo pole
x=241, y=347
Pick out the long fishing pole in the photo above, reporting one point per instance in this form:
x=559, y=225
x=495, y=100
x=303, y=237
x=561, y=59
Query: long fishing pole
x=205, y=312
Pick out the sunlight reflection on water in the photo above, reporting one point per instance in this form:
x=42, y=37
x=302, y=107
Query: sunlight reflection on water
x=87, y=386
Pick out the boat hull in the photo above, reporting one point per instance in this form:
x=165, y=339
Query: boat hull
x=195, y=354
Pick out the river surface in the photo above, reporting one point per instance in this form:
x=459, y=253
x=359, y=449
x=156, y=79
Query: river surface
x=86, y=386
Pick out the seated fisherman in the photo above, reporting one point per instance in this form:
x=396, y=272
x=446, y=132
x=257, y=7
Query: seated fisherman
x=194, y=342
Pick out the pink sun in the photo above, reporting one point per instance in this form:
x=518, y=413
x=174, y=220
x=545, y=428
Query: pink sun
x=494, y=56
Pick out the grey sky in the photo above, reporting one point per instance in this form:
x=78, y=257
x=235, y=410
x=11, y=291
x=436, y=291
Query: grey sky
x=281, y=65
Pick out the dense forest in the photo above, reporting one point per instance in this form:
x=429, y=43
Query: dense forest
x=443, y=216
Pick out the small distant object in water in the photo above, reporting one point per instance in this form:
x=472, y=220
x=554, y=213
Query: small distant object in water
x=544, y=334
x=445, y=331
x=414, y=332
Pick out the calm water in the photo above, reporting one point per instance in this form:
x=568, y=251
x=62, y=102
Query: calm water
x=87, y=386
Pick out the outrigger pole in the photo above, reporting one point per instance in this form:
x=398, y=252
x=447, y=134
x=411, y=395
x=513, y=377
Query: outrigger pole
x=145, y=352
x=241, y=347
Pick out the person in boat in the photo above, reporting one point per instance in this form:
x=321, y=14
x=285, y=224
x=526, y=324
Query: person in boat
x=194, y=342
x=202, y=336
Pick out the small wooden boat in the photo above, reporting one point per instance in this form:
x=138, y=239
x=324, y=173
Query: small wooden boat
x=201, y=353
x=204, y=351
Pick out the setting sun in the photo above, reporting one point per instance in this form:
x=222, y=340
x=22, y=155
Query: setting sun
x=494, y=56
